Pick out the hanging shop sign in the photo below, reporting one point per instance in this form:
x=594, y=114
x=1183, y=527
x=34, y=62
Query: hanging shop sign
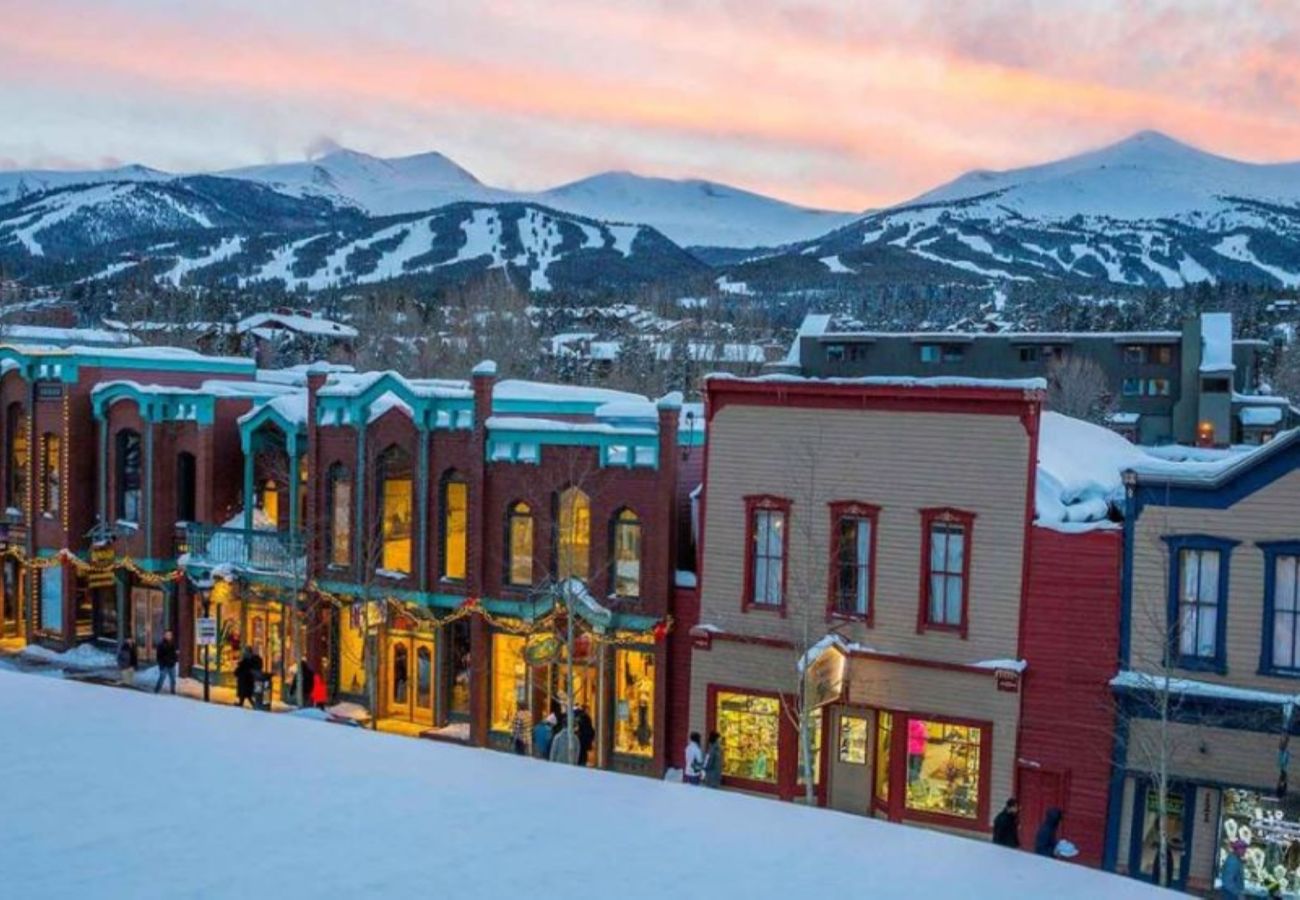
x=542, y=649
x=824, y=678
x=102, y=573
x=1008, y=680
x=205, y=631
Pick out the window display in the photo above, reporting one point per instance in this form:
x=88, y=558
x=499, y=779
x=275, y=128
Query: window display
x=853, y=740
x=749, y=726
x=884, y=740
x=1174, y=820
x=815, y=742
x=509, y=680
x=352, y=649
x=634, y=702
x=1269, y=829
x=943, y=768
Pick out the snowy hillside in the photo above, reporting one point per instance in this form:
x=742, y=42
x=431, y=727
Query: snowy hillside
x=19, y=184
x=213, y=801
x=693, y=213
x=1146, y=211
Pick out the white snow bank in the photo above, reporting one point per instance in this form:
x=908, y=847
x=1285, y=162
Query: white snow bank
x=219, y=770
x=1080, y=469
x=82, y=658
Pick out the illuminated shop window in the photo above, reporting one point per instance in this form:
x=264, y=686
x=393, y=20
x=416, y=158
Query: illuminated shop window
x=455, y=527
x=627, y=554
x=509, y=680
x=884, y=736
x=943, y=768
x=51, y=479
x=634, y=702
x=815, y=742
x=395, y=496
x=749, y=726
x=573, y=535
x=853, y=740
x=352, y=649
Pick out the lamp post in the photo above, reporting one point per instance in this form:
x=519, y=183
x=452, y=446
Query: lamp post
x=207, y=651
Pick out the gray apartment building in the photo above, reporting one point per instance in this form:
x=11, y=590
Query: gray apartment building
x=1194, y=386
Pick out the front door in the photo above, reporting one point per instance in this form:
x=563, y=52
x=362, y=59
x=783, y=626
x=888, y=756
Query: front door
x=264, y=632
x=408, y=678
x=1040, y=790
x=11, y=601
x=1145, y=855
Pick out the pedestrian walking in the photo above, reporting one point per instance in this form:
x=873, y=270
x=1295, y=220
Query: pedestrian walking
x=128, y=659
x=1006, y=825
x=543, y=732
x=713, y=761
x=1045, y=839
x=319, y=696
x=244, y=678
x=693, y=770
x=1232, y=877
x=165, y=655
x=564, y=746
x=586, y=733
x=306, y=680
x=261, y=682
x=518, y=733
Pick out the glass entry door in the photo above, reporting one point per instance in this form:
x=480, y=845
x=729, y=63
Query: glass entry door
x=408, y=678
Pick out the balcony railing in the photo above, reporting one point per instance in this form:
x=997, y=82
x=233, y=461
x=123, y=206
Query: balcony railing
x=278, y=552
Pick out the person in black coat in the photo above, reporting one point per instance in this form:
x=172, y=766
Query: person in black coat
x=244, y=678
x=1006, y=826
x=1046, y=839
x=586, y=733
x=165, y=654
x=307, y=678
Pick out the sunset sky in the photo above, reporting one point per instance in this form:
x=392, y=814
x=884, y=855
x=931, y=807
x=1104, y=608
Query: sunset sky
x=839, y=103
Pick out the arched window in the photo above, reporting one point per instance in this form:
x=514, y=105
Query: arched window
x=455, y=526
x=395, y=510
x=338, y=516
x=186, y=487
x=627, y=554
x=16, y=440
x=51, y=478
x=129, y=478
x=519, y=544
x=573, y=535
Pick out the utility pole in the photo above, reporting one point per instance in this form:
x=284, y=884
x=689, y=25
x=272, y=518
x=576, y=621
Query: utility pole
x=569, y=650
x=207, y=651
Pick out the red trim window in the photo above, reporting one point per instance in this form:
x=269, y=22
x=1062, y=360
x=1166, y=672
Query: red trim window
x=853, y=560
x=945, y=570
x=767, y=546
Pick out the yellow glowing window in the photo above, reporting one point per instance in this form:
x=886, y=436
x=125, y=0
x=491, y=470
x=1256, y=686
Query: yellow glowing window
x=455, y=525
x=52, y=482
x=943, y=768
x=749, y=726
x=271, y=502
x=340, y=517
x=853, y=740
x=634, y=702
x=627, y=554
x=815, y=741
x=573, y=551
x=884, y=736
x=509, y=680
x=352, y=649
x=16, y=435
x=519, y=570
x=395, y=497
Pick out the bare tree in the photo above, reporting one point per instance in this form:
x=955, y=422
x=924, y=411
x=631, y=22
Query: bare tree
x=1077, y=386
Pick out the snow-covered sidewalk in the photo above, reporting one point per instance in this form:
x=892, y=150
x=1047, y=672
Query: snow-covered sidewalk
x=206, y=801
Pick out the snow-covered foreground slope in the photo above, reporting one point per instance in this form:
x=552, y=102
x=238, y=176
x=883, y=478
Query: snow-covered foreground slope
x=124, y=794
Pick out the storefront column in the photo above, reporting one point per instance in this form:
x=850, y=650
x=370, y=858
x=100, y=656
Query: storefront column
x=480, y=642
x=604, y=708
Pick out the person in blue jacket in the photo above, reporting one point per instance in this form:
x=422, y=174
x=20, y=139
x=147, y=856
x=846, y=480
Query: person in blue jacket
x=543, y=734
x=1045, y=840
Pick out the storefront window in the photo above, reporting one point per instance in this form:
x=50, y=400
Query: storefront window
x=52, y=599
x=853, y=740
x=461, y=655
x=573, y=537
x=815, y=742
x=51, y=478
x=1174, y=819
x=395, y=510
x=1268, y=828
x=352, y=649
x=148, y=618
x=749, y=726
x=884, y=741
x=509, y=680
x=943, y=768
x=455, y=528
x=634, y=702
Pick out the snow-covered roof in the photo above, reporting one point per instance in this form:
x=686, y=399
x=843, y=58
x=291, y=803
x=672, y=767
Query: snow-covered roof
x=1216, y=342
x=1133, y=680
x=531, y=423
x=1080, y=472
x=907, y=381
x=1260, y=415
x=812, y=325
x=514, y=390
x=291, y=406
x=1028, y=337
x=352, y=384
x=315, y=326
x=66, y=336
x=1208, y=470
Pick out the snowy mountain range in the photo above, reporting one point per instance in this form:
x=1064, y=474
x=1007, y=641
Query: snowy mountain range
x=1148, y=211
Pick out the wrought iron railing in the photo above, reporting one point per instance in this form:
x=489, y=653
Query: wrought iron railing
x=263, y=550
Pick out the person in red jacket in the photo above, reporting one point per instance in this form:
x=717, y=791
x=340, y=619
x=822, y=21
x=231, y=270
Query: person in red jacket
x=318, y=695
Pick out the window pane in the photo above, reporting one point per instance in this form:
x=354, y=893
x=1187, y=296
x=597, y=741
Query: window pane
x=943, y=768
x=884, y=735
x=937, y=599
x=456, y=529
x=521, y=545
x=1187, y=630
x=424, y=678
x=1285, y=582
x=749, y=726
x=775, y=529
x=627, y=556
x=574, y=538
x=1284, y=639
x=1209, y=580
x=937, y=550
x=509, y=680
x=1206, y=631
x=52, y=598
x=634, y=702
x=956, y=548
x=954, y=586
x=1188, y=589
x=340, y=521
x=853, y=740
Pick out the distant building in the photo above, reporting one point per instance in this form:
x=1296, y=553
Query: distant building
x=296, y=334
x=1194, y=386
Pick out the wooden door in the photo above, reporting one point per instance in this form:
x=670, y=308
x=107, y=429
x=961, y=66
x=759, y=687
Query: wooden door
x=1040, y=790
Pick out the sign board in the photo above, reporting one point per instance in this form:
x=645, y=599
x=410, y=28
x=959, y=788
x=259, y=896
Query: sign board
x=542, y=649
x=824, y=678
x=1008, y=680
x=205, y=631
x=102, y=558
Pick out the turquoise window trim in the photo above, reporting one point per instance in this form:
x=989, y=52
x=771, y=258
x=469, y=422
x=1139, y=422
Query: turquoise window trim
x=156, y=407
x=249, y=426
x=603, y=442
